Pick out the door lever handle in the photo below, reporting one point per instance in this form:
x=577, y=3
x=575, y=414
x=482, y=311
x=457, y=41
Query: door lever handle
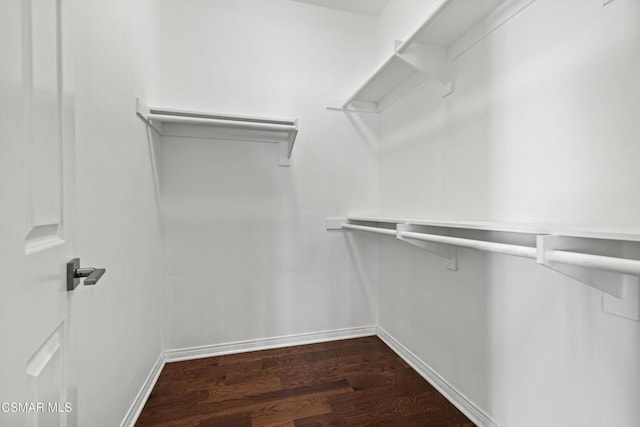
x=92, y=274
x=74, y=273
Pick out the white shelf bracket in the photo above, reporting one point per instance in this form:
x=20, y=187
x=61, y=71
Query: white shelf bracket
x=142, y=111
x=335, y=223
x=286, y=147
x=605, y=281
x=629, y=305
x=433, y=61
x=448, y=252
x=354, y=106
x=620, y=291
x=283, y=159
x=141, y=108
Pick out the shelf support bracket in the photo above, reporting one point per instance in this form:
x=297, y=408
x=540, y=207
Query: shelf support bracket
x=629, y=305
x=334, y=223
x=142, y=111
x=605, y=281
x=448, y=252
x=353, y=107
x=620, y=292
x=433, y=61
x=286, y=147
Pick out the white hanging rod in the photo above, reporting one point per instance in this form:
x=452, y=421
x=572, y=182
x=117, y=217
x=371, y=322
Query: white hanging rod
x=618, y=265
x=235, y=123
x=387, y=231
x=503, y=248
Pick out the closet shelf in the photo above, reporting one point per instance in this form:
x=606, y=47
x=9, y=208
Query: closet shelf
x=424, y=54
x=597, y=258
x=524, y=228
x=197, y=124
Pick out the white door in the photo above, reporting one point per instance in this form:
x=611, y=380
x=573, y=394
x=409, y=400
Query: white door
x=36, y=214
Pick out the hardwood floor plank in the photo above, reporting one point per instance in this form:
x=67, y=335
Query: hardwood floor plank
x=188, y=398
x=257, y=401
x=357, y=382
x=331, y=369
x=282, y=412
x=323, y=420
x=245, y=389
x=404, y=379
x=242, y=419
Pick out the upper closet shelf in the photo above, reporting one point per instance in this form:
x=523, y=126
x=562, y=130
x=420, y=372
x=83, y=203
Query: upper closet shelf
x=197, y=124
x=423, y=55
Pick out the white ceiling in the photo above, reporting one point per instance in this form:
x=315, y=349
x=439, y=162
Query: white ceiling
x=363, y=7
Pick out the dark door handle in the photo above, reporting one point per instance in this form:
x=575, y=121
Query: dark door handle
x=74, y=273
x=92, y=274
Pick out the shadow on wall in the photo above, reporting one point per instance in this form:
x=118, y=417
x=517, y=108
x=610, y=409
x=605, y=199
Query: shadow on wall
x=227, y=207
x=154, y=141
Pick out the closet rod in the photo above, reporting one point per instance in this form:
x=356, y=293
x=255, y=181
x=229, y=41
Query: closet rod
x=220, y=122
x=618, y=265
x=387, y=231
x=503, y=248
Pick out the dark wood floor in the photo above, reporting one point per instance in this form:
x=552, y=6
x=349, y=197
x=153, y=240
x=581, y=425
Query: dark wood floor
x=357, y=382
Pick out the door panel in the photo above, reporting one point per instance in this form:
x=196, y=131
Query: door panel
x=47, y=382
x=42, y=62
x=37, y=193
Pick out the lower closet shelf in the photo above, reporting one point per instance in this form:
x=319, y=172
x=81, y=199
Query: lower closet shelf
x=595, y=257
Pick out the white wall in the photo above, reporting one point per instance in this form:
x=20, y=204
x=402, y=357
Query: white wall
x=246, y=250
x=542, y=127
x=119, y=322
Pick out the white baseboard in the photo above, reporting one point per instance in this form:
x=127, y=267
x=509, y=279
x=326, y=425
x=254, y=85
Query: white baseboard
x=136, y=407
x=459, y=400
x=178, y=355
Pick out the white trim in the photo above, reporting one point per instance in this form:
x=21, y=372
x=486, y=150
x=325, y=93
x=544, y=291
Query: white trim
x=459, y=400
x=136, y=407
x=178, y=355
